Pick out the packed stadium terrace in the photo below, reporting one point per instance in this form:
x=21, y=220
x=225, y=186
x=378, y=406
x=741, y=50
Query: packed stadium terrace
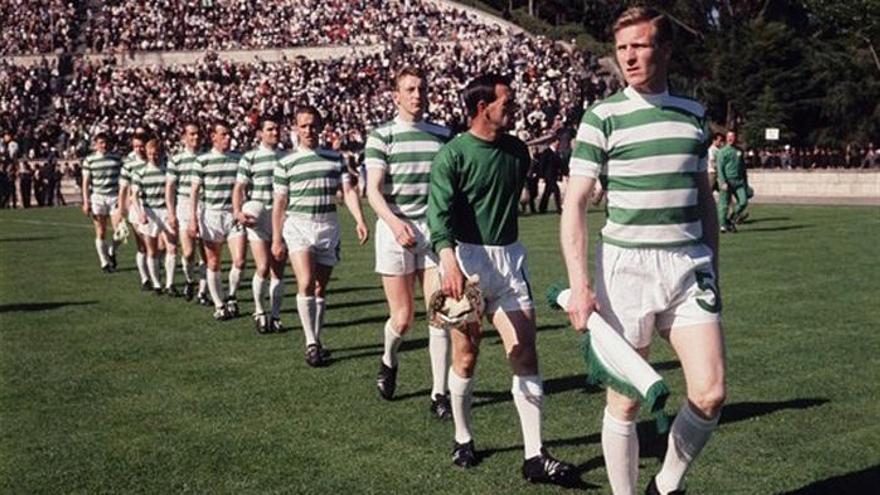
x=48, y=26
x=38, y=26
x=353, y=93
x=239, y=24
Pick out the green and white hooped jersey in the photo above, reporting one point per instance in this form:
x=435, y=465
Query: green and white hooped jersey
x=104, y=173
x=215, y=172
x=180, y=172
x=310, y=179
x=149, y=181
x=257, y=170
x=130, y=165
x=650, y=149
x=404, y=151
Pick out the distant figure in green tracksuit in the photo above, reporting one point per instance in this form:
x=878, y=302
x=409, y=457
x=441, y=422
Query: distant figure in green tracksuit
x=731, y=181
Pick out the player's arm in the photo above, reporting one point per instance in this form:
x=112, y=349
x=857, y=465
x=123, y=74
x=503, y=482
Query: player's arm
x=573, y=237
x=194, y=192
x=353, y=203
x=586, y=161
x=280, y=191
x=709, y=220
x=86, y=192
x=171, y=179
x=376, y=162
x=242, y=179
x=440, y=211
x=137, y=201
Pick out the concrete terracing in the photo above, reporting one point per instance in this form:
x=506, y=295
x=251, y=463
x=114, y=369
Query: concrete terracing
x=816, y=186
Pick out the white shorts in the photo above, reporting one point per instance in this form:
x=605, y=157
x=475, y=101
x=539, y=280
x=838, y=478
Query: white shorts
x=184, y=214
x=218, y=226
x=101, y=204
x=262, y=229
x=504, y=275
x=134, y=218
x=643, y=289
x=394, y=259
x=155, y=222
x=320, y=238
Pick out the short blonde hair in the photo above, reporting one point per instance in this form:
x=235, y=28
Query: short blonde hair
x=638, y=15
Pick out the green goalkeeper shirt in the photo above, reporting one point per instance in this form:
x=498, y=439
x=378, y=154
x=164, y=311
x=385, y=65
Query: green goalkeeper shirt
x=475, y=189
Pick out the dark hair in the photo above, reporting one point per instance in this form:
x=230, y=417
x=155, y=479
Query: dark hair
x=408, y=70
x=637, y=15
x=482, y=89
x=140, y=136
x=717, y=135
x=103, y=135
x=311, y=110
x=266, y=118
x=188, y=123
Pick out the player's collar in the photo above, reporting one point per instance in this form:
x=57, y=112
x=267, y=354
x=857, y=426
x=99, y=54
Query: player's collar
x=652, y=98
x=400, y=120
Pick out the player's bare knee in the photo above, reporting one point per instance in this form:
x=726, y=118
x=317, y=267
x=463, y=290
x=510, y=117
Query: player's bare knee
x=523, y=359
x=401, y=321
x=708, y=401
x=622, y=407
x=464, y=362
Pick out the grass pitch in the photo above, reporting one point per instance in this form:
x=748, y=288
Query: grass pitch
x=104, y=389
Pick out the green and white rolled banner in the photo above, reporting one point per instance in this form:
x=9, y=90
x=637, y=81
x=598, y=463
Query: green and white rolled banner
x=612, y=362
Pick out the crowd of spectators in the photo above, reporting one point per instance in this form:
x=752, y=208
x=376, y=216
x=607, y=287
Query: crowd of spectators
x=354, y=93
x=790, y=157
x=38, y=26
x=166, y=25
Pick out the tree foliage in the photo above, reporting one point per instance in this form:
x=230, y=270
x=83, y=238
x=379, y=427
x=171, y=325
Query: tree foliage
x=808, y=67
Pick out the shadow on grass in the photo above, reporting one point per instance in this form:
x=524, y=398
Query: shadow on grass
x=28, y=239
x=855, y=483
x=375, y=349
x=11, y=308
x=775, y=229
x=652, y=445
x=551, y=387
x=354, y=304
x=766, y=219
x=666, y=365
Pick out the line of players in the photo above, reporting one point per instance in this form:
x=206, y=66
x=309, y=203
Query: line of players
x=470, y=220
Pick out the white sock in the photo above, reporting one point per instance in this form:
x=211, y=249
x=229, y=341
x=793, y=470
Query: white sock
x=392, y=344
x=234, y=280
x=620, y=447
x=114, y=246
x=140, y=260
x=305, y=306
x=170, y=262
x=438, y=348
x=203, y=278
x=153, y=269
x=101, y=247
x=319, y=317
x=460, y=396
x=687, y=437
x=257, y=284
x=215, y=287
x=276, y=294
x=528, y=396
x=186, y=266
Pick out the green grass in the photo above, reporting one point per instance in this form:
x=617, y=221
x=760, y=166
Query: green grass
x=107, y=390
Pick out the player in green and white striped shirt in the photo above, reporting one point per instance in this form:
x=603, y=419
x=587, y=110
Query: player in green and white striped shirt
x=398, y=157
x=304, y=217
x=148, y=188
x=215, y=174
x=657, y=259
x=177, y=192
x=132, y=162
x=100, y=189
x=253, y=183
